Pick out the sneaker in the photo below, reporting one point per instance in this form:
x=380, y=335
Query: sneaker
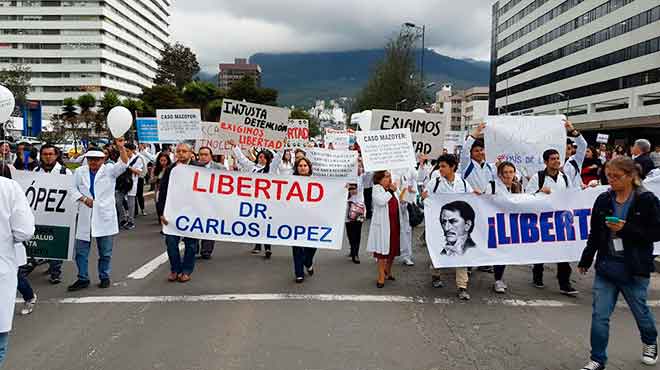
x=593, y=365
x=500, y=287
x=268, y=254
x=463, y=295
x=310, y=270
x=437, y=283
x=569, y=291
x=408, y=261
x=299, y=280
x=104, y=284
x=28, y=306
x=78, y=285
x=539, y=284
x=54, y=280
x=206, y=256
x=130, y=226
x=143, y=213
x=649, y=354
x=256, y=250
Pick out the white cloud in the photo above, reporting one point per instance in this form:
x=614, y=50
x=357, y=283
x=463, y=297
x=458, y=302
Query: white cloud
x=219, y=30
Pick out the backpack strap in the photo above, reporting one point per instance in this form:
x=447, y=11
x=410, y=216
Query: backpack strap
x=133, y=162
x=62, y=170
x=565, y=179
x=437, y=183
x=574, y=163
x=464, y=186
x=492, y=187
x=468, y=170
x=541, y=175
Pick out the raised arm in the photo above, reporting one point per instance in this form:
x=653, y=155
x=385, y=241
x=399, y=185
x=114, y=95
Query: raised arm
x=21, y=218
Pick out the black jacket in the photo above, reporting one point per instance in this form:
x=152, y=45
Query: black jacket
x=164, y=184
x=641, y=230
x=647, y=164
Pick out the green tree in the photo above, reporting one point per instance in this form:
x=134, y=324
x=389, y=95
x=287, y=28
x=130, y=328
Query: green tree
x=393, y=80
x=214, y=108
x=246, y=89
x=136, y=106
x=87, y=103
x=17, y=80
x=177, y=66
x=200, y=94
x=314, y=126
x=161, y=97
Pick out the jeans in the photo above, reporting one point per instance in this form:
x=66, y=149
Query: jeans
x=23, y=285
x=354, y=233
x=55, y=268
x=207, y=247
x=119, y=204
x=563, y=274
x=176, y=266
x=104, y=245
x=499, y=272
x=4, y=341
x=605, y=295
x=302, y=257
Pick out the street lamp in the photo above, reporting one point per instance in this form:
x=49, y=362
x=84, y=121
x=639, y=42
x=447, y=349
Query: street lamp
x=507, y=76
x=396, y=106
x=568, y=101
x=423, y=30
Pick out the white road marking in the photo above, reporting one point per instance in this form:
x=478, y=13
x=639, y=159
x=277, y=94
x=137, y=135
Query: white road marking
x=283, y=297
x=151, y=266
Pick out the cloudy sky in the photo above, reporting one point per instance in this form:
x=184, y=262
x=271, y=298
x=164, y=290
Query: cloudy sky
x=219, y=30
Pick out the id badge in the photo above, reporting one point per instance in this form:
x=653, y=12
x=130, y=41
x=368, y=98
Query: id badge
x=618, y=244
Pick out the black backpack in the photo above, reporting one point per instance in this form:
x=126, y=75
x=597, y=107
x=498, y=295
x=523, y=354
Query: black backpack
x=415, y=214
x=124, y=182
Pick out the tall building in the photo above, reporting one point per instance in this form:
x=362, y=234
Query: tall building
x=231, y=72
x=462, y=108
x=79, y=47
x=596, y=61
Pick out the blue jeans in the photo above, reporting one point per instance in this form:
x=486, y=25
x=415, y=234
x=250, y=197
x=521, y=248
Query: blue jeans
x=302, y=257
x=605, y=295
x=24, y=286
x=4, y=340
x=188, y=265
x=55, y=268
x=104, y=245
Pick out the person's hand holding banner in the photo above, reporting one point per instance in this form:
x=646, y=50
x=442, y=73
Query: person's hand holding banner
x=120, y=120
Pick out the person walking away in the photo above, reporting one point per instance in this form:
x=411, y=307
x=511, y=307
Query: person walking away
x=641, y=156
x=94, y=190
x=385, y=231
x=205, y=155
x=625, y=223
x=179, y=270
x=303, y=258
x=16, y=226
x=445, y=179
x=48, y=163
x=552, y=180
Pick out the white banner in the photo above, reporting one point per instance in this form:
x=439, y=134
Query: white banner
x=54, y=212
x=337, y=139
x=486, y=230
x=255, y=125
x=255, y=208
x=428, y=130
x=454, y=141
x=298, y=133
x=386, y=149
x=522, y=140
x=212, y=136
x=333, y=163
x=175, y=125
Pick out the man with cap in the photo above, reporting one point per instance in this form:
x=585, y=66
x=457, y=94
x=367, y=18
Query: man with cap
x=94, y=190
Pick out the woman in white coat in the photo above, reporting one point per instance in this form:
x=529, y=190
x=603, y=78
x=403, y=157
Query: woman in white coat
x=385, y=233
x=405, y=181
x=16, y=226
x=94, y=190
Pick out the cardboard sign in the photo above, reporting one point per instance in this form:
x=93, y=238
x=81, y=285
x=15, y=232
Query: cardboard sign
x=428, y=130
x=147, y=131
x=176, y=125
x=603, y=138
x=298, y=133
x=333, y=163
x=255, y=125
x=386, y=149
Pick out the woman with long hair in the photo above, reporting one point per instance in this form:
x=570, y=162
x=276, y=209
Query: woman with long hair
x=286, y=165
x=163, y=161
x=591, y=167
x=303, y=258
x=625, y=223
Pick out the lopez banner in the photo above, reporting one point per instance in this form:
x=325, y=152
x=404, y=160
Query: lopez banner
x=54, y=211
x=254, y=208
x=485, y=230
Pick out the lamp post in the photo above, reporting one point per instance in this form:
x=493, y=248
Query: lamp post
x=423, y=30
x=396, y=106
x=506, y=92
x=568, y=101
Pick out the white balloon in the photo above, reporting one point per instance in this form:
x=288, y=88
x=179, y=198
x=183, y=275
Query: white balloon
x=7, y=104
x=120, y=120
x=419, y=110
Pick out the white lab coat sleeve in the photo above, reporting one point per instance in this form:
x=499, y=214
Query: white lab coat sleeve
x=533, y=185
x=275, y=163
x=380, y=198
x=464, y=157
x=21, y=218
x=243, y=161
x=468, y=187
x=581, y=150
x=116, y=169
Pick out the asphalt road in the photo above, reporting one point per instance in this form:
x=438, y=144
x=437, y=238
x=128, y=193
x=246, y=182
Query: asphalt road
x=243, y=312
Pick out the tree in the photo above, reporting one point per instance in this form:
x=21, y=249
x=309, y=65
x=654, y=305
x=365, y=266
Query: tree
x=161, y=97
x=17, y=80
x=214, y=108
x=314, y=126
x=177, y=66
x=246, y=89
x=86, y=103
x=136, y=106
x=393, y=80
x=200, y=94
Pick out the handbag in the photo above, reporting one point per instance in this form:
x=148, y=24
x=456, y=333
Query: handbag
x=355, y=212
x=415, y=214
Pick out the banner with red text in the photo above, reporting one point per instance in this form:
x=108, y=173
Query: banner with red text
x=254, y=125
x=298, y=133
x=255, y=208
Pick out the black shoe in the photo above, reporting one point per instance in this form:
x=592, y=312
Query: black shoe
x=105, y=283
x=310, y=270
x=390, y=278
x=569, y=291
x=379, y=285
x=54, y=280
x=78, y=285
x=593, y=365
x=356, y=260
x=538, y=283
x=256, y=250
x=268, y=254
x=299, y=280
x=206, y=256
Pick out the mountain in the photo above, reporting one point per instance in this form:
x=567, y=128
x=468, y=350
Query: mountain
x=302, y=78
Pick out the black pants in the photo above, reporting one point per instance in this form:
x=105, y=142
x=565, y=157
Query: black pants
x=354, y=233
x=139, y=197
x=302, y=257
x=207, y=247
x=563, y=273
x=499, y=272
x=367, y=201
x=257, y=247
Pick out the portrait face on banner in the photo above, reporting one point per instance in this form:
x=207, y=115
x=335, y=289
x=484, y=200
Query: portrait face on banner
x=457, y=222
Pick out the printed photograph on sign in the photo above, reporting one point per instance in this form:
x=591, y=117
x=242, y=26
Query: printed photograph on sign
x=427, y=129
x=255, y=125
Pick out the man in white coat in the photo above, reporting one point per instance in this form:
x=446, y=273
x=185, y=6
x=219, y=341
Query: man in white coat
x=16, y=226
x=94, y=190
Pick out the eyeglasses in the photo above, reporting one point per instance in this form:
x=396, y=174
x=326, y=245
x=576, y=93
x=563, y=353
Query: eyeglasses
x=615, y=177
